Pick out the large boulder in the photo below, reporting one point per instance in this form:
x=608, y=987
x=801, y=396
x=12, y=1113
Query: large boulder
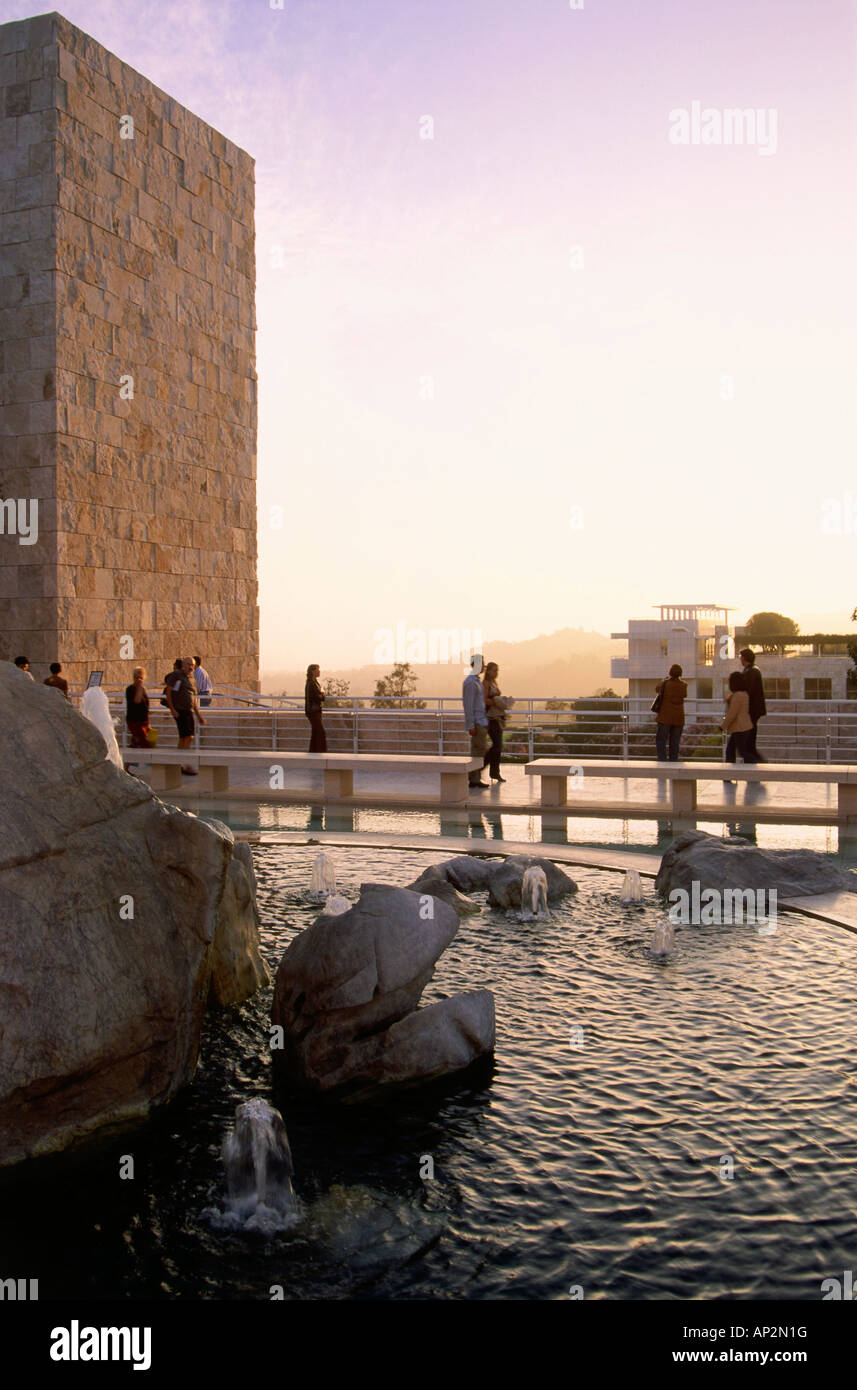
x=504, y=880
x=346, y=983
x=734, y=863
x=237, y=967
x=109, y=904
x=432, y=881
x=466, y=872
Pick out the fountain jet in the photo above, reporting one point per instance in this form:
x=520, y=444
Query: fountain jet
x=663, y=939
x=258, y=1161
x=534, y=895
x=322, y=884
x=632, y=888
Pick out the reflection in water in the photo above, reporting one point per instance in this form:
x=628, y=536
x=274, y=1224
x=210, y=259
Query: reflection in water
x=595, y=1164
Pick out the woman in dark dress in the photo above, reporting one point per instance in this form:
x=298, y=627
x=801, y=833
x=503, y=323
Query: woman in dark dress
x=496, y=720
x=313, y=701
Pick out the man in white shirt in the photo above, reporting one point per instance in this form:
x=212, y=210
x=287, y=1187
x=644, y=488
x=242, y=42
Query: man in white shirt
x=204, y=687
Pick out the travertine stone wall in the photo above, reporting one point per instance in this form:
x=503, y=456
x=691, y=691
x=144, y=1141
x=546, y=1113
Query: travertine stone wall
x=127, y=375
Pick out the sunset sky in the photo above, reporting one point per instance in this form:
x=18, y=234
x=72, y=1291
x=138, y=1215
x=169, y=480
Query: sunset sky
x=469, y=422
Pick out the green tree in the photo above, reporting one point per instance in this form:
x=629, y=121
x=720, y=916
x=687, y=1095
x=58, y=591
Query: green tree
x=396, y=690
x=337, y=695
x=761, y=627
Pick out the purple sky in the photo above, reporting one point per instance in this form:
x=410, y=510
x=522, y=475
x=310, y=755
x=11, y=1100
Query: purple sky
x=467, y=427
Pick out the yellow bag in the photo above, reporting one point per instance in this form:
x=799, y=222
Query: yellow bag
x=152, y=737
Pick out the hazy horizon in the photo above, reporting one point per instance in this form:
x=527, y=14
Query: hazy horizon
x=526, y=362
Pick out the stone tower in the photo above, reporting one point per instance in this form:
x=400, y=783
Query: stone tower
x=127, y=370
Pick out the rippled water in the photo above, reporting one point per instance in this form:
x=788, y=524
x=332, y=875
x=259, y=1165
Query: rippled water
x=598, y=1158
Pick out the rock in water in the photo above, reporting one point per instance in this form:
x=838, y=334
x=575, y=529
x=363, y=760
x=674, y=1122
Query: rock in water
x=433, y=883
x=237, y=967
x=347, y=991
x=733, y=863
x=109, y=904
x=467, y=872
x=505, y=880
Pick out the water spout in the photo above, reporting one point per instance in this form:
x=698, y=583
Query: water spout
x=96, y=709
x=335, y=906
x=632, y=888
x=663, y=939
x=534, y=895
x=322, y=884
x=258, y=1161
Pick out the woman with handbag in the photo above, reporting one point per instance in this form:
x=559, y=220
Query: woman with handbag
x=137, y=712
x=313, y=701
x=669, y=707
x=495, y=708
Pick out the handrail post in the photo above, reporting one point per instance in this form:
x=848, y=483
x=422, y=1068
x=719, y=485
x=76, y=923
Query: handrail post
x=355, y=738
x=530, y=744
x=273, y=728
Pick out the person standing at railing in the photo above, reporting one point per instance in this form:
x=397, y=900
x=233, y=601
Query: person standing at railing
x=313, y=702
x=137, y=712
x=184, y=706
x=202, y=680
x=475, y=718
x=669, y=707
x=737, y=724
x=755, y=688
x=495, y=709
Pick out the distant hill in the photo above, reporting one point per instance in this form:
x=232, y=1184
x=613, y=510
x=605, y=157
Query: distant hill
x=569, y=662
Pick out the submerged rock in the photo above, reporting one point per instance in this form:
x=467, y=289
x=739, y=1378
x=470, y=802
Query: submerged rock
x=347, y=991
x=466, y=872
x=733, y=863
x=433, y=882
x=109, y=906
x=505, y=880
x=237, y=967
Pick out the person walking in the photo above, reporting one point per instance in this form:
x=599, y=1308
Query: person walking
x=313, y=702
x=202, y=680
x=670, y=698
x=137, y=712
x=184, y=706
x=57, y=680
x=755, y=688
x=475, y=718
x=495, y=709
x=737, y=723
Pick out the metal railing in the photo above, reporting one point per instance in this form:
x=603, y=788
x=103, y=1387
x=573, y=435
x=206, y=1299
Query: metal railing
x=537, y=727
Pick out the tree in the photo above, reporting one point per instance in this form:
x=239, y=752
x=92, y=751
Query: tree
x=393, y=691
x=336, y=694
x=763, y=626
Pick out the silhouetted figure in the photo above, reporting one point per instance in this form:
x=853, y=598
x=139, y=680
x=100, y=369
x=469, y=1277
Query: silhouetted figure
x=23, y=665
x=184, y=706
x=670, y=716
x=754, y=686
x=495, y=709
x=137, y=712
x=475, y=718
x=737, y=723
x=58, y=681
x=313, y=703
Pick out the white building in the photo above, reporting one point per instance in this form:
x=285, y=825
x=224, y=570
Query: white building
x=699, y=637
